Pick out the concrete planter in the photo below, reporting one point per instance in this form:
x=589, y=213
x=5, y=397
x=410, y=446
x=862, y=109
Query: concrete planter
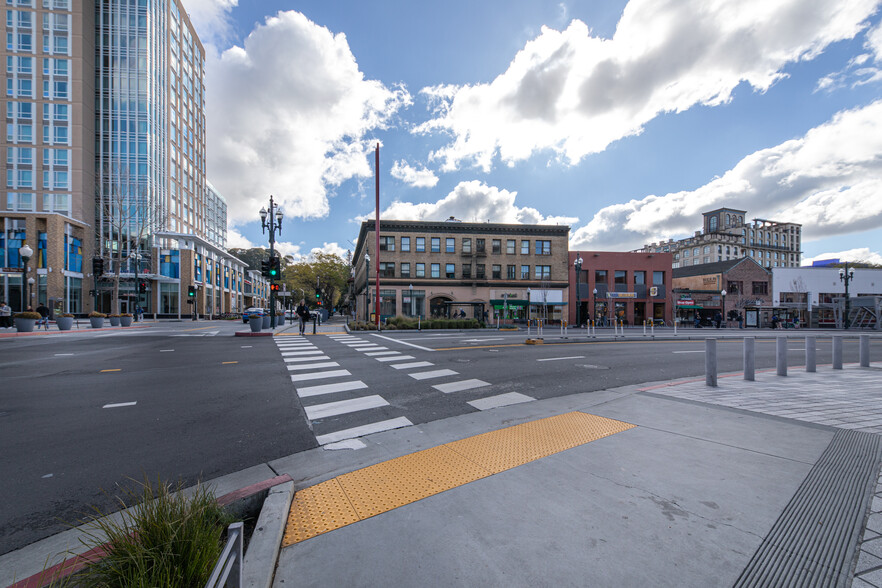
x=65, y=323
x=114, y=321
x=256, y=323
x=25, y=325
x=266, y=322
x=96, y=322
x=125, y=321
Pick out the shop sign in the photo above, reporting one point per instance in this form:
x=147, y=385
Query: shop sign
x=621, y=294
x=686, y=302
x=13, y=270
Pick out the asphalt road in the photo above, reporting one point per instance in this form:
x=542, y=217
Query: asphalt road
x=190, y=402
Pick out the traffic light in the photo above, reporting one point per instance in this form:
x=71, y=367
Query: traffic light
x=275, y=267
x=319, y=302
x=191, y=291
x=98, y=266
x=265, y=268
x=318, y=294
x=274, y=287
x=142, y=286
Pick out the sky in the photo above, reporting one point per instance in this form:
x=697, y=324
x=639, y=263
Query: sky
x=623, y=119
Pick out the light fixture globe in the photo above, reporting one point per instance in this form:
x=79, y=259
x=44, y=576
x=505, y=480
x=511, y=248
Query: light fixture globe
x=25, y=251
x=262, y=214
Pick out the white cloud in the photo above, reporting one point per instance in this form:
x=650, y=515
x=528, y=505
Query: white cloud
x=471, y=201
x=829, y=180
x=236, y=240
x=211, y=19
x=290, y=114
x=412, y=176
x=861, y=69
x=860, y=254
x=329, y=248
x=573, y=93
x=287, y=248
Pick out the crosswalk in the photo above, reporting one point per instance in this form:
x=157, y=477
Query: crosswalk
x=334, y=398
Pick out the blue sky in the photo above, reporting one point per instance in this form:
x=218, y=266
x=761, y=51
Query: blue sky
x=624, y=120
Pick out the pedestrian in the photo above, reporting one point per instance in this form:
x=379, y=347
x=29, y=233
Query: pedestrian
x=302, y=314
x=775, y=321
x=485, y=316
x=718, y=319
x=740, y=321
x=44, y=316
x=5, y=315
x=697, y=320
x=796, y=322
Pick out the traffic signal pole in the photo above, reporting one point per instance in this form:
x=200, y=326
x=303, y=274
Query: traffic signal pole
x=272, y=219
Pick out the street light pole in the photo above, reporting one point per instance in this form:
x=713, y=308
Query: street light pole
x=578, y=265
x=594, y=302
x=271, y=220
x=723, y=297
x=25, y=252
x=367, y=286
x=411, y=300
x=846, y=275
x=136, y=257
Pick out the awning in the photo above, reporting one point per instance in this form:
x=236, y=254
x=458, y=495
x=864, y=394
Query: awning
x=691, y=306
x=500, y=303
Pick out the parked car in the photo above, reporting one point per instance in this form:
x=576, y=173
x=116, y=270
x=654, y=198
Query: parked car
x=253, y=310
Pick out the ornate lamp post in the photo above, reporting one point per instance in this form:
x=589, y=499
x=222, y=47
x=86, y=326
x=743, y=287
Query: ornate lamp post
x=136, y=257
x=25, y=252
x=594, y=302
x=723, y=296
x=846, y=275
x=271, y=220
x=578, y=265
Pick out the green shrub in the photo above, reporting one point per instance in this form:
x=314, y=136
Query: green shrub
x=168, y=538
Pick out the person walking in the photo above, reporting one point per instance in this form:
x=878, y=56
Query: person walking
x=697, y=320
x=5, y=315
x=718, y=319
x=302, y=314
x=44, y=316
x=740, y=321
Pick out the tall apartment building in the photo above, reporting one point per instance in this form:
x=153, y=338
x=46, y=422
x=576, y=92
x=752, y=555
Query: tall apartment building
x=436, y=269
x=105, y=147
x=726, y=236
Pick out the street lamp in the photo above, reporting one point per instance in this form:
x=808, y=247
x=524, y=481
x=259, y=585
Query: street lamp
x=25, y=252
x=411, y=301
x=367, y=286
x=594, y=300
x=723, y=295
x=136, y=257
x=529, y=304
x=578, y=265
x=846, y=275
x=273, y=224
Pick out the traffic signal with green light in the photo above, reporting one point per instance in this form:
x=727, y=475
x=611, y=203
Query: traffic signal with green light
x=191, y=291
x=275, y=267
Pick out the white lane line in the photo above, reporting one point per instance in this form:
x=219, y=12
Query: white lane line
x=169, y=350
x=560, y=358
x=243, y=347
x=481, y=340
x=118, y=404
x=363, y=430
x=415, y=364
x=319, y=375
x=62, y=354
x=501, y=400
x=329, y=409
x=395, y=358
x=460, y=386
x=375, y=353
x=310, y=358
x=310, y=366
x=404, y=343
x=432, y=374
x=695, y=351
x=306, y=391
x=292, y=353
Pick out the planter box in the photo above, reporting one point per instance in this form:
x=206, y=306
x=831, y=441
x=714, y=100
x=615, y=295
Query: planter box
x=96, y=323
x=114, y=321
x=24, y=325
x=65, y=323
x=125, y=321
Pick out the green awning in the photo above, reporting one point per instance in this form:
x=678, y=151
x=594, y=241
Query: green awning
x=692, y=306
x=500, y=303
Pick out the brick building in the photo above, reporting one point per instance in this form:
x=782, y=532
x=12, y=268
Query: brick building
x=739, y=286
x=631, y=287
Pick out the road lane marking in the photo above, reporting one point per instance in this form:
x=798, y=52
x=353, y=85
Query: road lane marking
x=306, y=391
x=329, y=409
x=290, y=353
x=313, y=366
x=404, y=343
x=165, y=350
x=310, y=358
x=500, y=400
x=113, y=370
x=694, y=351
x=319, y=375
x=376, y=353
x=460, y=386
x=433, y=374
x=415, y=364
x=62, y=354
x=364, y=430
x=118, y=404
x=395, y=358
x=228, y=362
x=562, y=358
x=243, y=347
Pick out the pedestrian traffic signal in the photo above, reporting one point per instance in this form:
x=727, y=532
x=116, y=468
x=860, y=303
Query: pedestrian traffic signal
x=265, y=268
x=191, y=291
x=98, y=266
x=274, y=287
x=275, y=267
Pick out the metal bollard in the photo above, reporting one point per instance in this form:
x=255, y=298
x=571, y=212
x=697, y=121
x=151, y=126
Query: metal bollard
x=652, y=329
x=710, y=362
x=313, y=325
x=865, y=351
x=781, y=356
x=644, y=328
x=837, y=352
x=750, y=358
x=811, y=363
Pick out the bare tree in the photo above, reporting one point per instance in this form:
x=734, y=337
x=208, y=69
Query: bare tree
x=129, y=217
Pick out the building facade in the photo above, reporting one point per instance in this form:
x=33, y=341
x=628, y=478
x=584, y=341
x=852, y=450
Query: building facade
x=731, y=288
x=442, y=269
x=105, y=146
x=813, y=294
x=727, y=236
x=628, y=287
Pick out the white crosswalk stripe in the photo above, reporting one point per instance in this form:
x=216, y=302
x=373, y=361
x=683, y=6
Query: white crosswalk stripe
x=378, y=427
x=328, y=409
x=307, y=358
x=460, y=386
x=320, y=375
x=314, y=366
x=395, y=358
x=433, y=374
x=409, y=366
x=307, y=391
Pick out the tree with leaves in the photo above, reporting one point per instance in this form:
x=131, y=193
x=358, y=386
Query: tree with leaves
x=326, y=271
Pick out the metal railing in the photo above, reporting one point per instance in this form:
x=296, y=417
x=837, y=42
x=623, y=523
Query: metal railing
x=228, y=571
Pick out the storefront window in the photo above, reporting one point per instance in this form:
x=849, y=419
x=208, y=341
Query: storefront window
x=168, y=298
x=413, y=302
x=388, y=303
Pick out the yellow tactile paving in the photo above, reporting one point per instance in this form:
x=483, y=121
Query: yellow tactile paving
x=382, y=487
